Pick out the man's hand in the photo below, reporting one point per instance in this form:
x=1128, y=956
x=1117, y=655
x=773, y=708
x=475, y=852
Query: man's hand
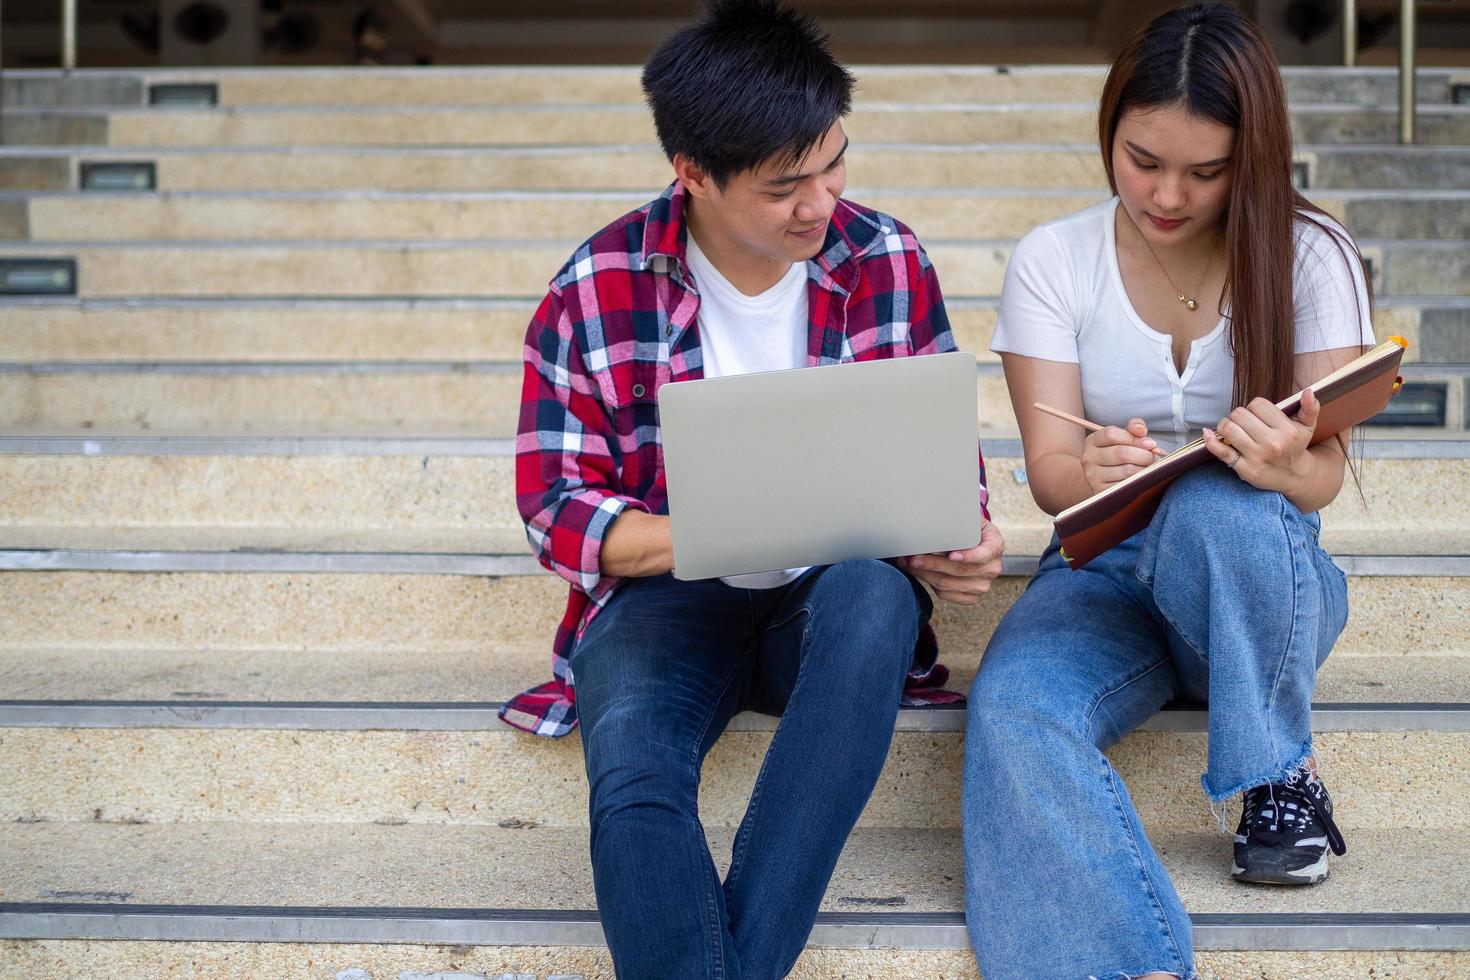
x=960, y=576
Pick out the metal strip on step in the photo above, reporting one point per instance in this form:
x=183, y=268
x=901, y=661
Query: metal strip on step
x=484, y=716
x=426, y=563
x=202, y=445
x=517, y=927
x=144, y=444
x=280, y=562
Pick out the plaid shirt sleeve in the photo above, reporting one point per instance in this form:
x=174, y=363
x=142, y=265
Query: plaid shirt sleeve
x=929, y=331
x=566, y=474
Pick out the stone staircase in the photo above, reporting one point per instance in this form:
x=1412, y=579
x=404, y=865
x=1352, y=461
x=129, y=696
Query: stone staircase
x=263, y=587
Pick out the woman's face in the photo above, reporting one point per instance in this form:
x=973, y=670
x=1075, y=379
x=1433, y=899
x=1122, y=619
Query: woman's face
x=1173, y=172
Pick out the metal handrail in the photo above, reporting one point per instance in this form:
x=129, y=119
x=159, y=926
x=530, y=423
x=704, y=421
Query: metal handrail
x=1408, y=36
x=69, y=35
x=1349, y=33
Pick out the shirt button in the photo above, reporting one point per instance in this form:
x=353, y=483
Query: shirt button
x=638, y=391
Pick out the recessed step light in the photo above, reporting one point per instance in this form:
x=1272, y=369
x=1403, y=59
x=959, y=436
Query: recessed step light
x=1301, y=175
x=38, y=277
x=128, y=176
x=1460, y=93
x=177, y=94
x=1418, y=403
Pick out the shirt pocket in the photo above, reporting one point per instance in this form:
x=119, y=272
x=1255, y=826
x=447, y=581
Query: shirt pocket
x=630, y=392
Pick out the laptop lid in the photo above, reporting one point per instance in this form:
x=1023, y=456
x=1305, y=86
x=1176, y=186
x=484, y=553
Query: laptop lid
x=820, y=465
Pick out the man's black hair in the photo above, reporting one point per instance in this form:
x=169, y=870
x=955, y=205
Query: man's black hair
x=753, y=80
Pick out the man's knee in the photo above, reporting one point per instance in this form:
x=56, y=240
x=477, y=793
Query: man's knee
x=868, y=590
x=632, y=768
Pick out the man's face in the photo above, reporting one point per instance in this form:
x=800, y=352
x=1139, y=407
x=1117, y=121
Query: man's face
x=780, y=213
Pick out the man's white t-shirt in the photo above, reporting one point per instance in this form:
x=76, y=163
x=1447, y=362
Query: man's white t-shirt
x=741, y=334
x=1064, y=300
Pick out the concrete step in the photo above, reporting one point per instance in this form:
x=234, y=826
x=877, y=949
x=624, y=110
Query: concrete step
x=320, y=398
x=522, y=267
x=533, y=85
x=453, y=688
x=925, y=164
x=1394, y=778
x=907, y=121
x=214, y=495
x=344, y=215
x=57, y=329
x=350, y=900
x=360, y=627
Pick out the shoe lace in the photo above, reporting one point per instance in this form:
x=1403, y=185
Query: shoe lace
x=1291, y=806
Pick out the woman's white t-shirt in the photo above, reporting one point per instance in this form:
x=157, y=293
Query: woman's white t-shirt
x=1064, y=300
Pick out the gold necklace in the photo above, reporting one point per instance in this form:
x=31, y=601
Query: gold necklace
x=1188, y=301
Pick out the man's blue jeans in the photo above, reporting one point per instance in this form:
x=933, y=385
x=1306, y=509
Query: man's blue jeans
x=1225, y=598
x=659, y=674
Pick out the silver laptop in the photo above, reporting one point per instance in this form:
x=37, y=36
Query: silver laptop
x=820, y=465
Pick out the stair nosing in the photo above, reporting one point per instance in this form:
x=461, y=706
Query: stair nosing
x=553, y=927
x=457, y=445
x=280, y=561
x=484, y=716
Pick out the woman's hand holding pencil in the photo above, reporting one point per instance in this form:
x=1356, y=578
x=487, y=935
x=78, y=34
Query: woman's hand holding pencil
x=1111, y=454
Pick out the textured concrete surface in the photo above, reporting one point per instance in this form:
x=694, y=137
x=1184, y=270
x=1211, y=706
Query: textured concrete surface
x=168, y=217
x=369, y=400
x=35, y=173
x=1445, y=335
x=357, y=330
x=569, y=85
x=637, y=167
x=496, y=672
x=1346, y=166
x=1415, y=780
x=630, y=123
x=467, y=504
x=54, y=129
x=303, y=331
x=405, y=616
x=958, y=213
x=448, y=330
x=369, y=865
x=1440, y=268
x=499, y=268
x=178, y=961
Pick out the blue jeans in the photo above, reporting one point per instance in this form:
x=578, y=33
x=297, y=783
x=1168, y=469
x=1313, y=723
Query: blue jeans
x=1225, y=598
x=659, y=674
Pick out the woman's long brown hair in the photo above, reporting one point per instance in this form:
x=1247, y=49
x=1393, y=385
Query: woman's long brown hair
x=1211, y=60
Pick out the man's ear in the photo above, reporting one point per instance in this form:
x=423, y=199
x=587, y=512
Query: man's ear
x=694, y=178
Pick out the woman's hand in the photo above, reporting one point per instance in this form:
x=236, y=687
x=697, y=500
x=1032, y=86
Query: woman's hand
x=960, y=577
x=1113, y=454
x=1267, y=448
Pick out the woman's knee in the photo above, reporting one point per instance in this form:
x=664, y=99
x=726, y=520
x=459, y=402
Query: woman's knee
x=1021, y=711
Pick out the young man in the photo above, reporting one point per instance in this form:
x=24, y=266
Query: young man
x=749, y=261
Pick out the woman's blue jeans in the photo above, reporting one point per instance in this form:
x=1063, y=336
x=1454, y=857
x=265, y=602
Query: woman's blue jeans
x=1225, y=598
x=659, y=674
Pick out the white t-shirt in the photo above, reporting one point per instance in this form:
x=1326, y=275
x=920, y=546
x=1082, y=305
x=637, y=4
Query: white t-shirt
x=1064, y=300
x=741, y=334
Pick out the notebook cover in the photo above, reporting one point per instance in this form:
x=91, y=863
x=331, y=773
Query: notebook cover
x=1352, y=394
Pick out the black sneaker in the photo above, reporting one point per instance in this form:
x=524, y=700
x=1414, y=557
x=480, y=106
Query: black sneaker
x=1285, y=831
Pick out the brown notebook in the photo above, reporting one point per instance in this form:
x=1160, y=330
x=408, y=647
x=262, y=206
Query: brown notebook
x=1353, y=393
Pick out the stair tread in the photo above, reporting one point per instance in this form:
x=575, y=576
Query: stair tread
x=534, y=867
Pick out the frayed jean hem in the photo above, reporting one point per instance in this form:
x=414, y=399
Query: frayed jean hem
x=1277, y=776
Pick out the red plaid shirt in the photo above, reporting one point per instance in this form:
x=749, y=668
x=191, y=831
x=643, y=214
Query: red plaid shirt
x=617, y=324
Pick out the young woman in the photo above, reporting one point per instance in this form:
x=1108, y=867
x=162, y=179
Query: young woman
x=1206, y=283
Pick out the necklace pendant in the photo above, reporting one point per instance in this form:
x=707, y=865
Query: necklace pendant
x=1191, y=305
